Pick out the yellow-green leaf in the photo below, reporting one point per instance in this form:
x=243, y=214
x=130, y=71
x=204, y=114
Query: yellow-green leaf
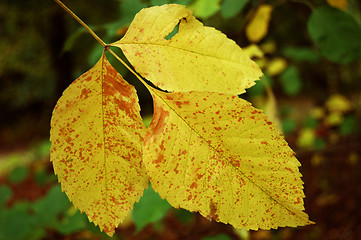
x=97, y=134
x=216, y=154
x=196, y=58
x=257, y=28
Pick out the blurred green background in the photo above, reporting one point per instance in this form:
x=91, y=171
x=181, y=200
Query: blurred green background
x=310, y=54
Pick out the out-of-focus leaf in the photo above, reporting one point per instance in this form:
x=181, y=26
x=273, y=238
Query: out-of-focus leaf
x=271, y=109
x=162, y=2
x=18, y=174
x=253, y=50
x=5, y=194
x=338, y=103
x=269, y=47
x=184, y=215
x=291, y=81
x=301, y=54
x=336, y=33
x=276, y=66
x=310, y=122
x=306, y=138
x=73, y=223
x=231, y=8
x=150, y=209
x=205, y=8
x=259, y=88
x=348, y=126
x=334, y=119
x=341, y=4
x=317, y=113
x=319, y=144
x=48, y=208
x=159, y=2
x=127, y=9
x=257, y=28
x=42, y=177
x=16, y=223
x=288, y=126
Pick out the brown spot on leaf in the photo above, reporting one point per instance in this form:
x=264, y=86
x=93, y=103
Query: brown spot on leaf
x=180, y=103
x=159, y=120
x=212, y=211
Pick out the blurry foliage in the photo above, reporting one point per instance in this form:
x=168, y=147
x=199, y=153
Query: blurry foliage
x=25, y=220
x=150, y=209
x=307, y=49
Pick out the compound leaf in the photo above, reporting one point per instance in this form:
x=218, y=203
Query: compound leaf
x=196, y=58
x=216, y=154
x=97, y=135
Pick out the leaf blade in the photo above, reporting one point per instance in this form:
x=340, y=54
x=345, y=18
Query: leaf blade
x=96, y=134
x=235, y=169
x=197, y=58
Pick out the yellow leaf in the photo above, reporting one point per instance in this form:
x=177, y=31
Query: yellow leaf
x=257, y=28
x=341, y=4
x=253, y=51
x=334, y=119
x=338, y=103
x=216, y=154
x=276, y=66
x=97, y=134
x=197, y=58
x=307, y=137
x=317, y=113
x=271, y=108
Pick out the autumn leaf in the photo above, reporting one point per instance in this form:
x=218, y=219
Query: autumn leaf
x=216, y=154
x=97, y=134
x=196, y=58
x=257, y=28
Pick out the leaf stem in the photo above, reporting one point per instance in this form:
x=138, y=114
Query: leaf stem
x=81, y=22
x=106, y=46
x=129, y=68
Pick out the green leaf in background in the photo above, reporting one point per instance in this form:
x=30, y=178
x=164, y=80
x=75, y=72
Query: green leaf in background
x=49, y=207
x=288, y=126
x=291, y=81
x=181, y=2
x=205, y=8
x=73, y=223
x=18, y=175
x=184, y=215
x=42, y=177
x=259, y=88
x=218, y=237
x=127, y=10
x=5, y=195
x=16, y=223
x=302, y=54
x=159, y=2
x=335, y=33
x=150, y=209
x=231, y=8
x=348, y=126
